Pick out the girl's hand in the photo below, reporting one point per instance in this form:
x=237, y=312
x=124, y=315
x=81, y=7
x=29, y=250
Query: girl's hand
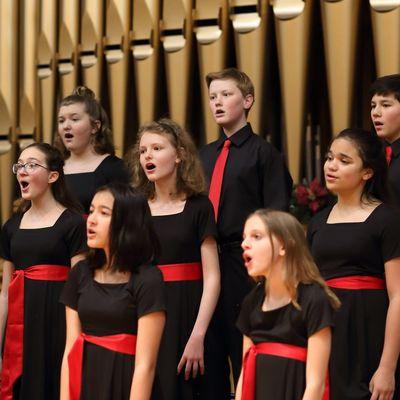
x=193, y=356
x=382, y=384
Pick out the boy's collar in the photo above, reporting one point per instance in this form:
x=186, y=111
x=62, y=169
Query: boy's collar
x=239, y=137
x=395, y=147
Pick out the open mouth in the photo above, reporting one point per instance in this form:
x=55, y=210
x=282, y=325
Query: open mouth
x=24, y=184
x=246, y=258
x=150, y=167
x=378, y=124
x=90, y=232
x=219, y=112
x=68, y=136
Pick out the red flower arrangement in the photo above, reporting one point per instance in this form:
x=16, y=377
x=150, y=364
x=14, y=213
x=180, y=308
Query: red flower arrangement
x=307, y=199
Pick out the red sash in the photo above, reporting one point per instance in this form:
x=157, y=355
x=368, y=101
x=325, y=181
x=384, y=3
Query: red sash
x=14, y=347
x=182, y=272
x=356, y=282
x=274, y=349
x=121, y=343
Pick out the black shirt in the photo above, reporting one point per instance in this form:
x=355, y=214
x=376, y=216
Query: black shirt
x=255, y=177
x=394, y=175
x=286, y=324
x=84, y=185
x=355, y=248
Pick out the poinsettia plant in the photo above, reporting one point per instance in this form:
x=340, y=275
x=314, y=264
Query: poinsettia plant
x=307, y=199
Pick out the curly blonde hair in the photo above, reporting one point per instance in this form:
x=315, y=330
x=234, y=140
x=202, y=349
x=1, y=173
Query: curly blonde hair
x=190, y=176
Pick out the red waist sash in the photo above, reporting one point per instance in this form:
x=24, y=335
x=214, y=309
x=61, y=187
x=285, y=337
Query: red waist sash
x=274, y=349
x=14, y=348
x=356, y=282
x=121, y=343
x=182, y=272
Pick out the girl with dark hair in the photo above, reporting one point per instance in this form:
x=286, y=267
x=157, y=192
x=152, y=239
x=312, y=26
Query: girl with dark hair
x=85, y=139
x=356, y=246
x=114, y=303
x=167, y=170
x=39, y=244
x=286, y=319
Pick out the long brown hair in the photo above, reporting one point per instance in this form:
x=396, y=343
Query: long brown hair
x=102, y=139
x=190, y=177
x=299, y=266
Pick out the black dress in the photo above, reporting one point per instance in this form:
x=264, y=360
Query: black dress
x=181, y=236
x=346, y=249
x=108, y=309
x=84, y=185
x=44, y=317
x=278, y=377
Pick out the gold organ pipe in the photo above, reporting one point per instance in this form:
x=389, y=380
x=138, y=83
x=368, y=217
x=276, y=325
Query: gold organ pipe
x=116, y=51
x=211, y=29
x=340, y=25
x=145, y=49
x=385, y=16
x=292, y=22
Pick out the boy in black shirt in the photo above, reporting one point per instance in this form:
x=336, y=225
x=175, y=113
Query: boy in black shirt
x=385, y=115
x=255, y=176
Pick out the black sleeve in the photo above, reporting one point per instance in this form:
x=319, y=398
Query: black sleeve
x=248, y=304
x=205, y=219
x=276, y=180
x=75, y=236
x=310, y=232
x=390, y=235
x=150, y=291
x=115, y=170
x=316, y=222
x=70, y=294
x=9, y=229
x=5, y=240
x=316, y=308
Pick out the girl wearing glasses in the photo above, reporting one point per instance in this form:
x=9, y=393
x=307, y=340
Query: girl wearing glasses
x=39, y=244
x=85, y=140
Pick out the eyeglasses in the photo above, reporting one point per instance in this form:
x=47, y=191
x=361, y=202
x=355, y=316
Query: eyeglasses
x=28, y=167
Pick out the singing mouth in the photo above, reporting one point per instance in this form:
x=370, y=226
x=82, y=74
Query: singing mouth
x=150, y=167
x=247, y=259
x=24, y=184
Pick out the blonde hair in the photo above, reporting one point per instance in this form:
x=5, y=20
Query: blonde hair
x=299, y=266
x=242, y=80
x=190, y=177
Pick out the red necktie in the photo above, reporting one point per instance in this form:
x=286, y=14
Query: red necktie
x=389, y=153
x=217, y=177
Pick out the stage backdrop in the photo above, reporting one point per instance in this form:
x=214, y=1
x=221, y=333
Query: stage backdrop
x=311, y=62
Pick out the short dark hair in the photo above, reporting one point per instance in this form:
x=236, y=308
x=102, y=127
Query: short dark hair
x=386, y=85
x=133, y=240
x=54, y=162
x=371, y=151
